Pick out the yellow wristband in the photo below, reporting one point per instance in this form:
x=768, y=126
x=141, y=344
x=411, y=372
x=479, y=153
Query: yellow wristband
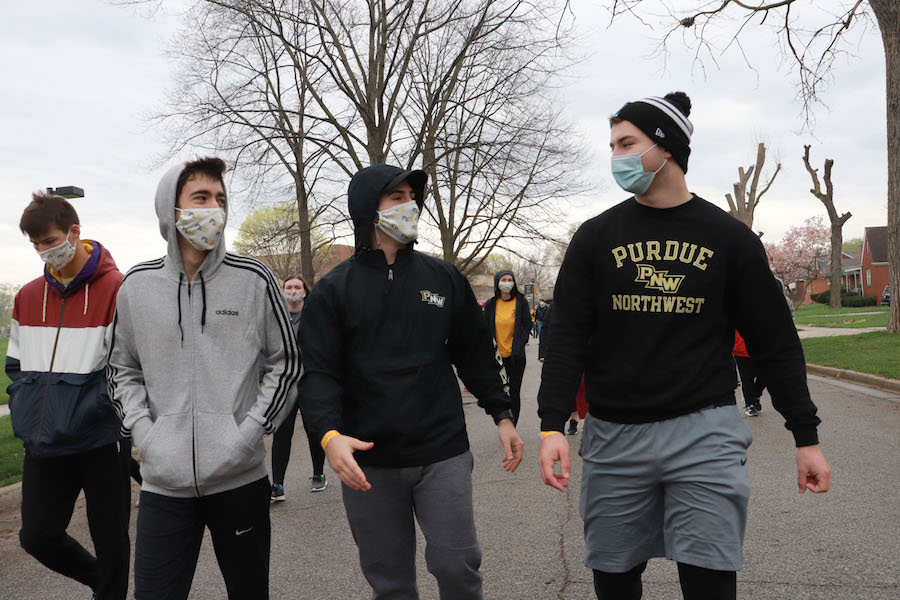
x=546, y=433
x=327, y=437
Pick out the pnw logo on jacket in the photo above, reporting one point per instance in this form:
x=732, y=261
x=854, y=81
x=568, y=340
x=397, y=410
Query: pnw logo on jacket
x=432, y=298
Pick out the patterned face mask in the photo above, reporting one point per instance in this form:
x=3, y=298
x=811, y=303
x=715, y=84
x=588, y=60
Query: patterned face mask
x=58, y=256
x=506, y=286
x=294, y=296
x=202, y=227
x=401, y=222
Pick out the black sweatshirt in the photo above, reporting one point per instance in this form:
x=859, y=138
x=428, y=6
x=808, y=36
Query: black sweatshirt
x=379, y=343
x=647, y=302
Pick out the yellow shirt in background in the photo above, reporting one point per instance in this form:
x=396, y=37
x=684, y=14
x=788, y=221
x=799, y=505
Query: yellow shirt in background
x=505, y=325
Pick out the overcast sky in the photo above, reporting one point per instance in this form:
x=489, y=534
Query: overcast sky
x=78, y=76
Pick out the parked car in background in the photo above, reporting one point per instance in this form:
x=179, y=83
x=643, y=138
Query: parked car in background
x=886, y=295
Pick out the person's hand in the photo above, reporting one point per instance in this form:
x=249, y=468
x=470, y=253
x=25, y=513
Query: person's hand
x=512, y=445
x=813, y=472
x=339, y=451
x=555, y=448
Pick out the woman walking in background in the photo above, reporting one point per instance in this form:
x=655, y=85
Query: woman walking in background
x=295, y=292
x=509, y=319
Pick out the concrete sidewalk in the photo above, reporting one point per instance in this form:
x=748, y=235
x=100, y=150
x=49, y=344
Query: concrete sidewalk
x=805, y=331
x=844, y=545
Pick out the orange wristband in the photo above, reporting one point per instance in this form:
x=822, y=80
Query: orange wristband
x=327, y=437
x=546, y=433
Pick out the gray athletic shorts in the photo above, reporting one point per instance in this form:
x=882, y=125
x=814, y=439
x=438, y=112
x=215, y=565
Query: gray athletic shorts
x=676, y=488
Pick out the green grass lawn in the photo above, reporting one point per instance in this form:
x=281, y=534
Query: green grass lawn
x=871, y=319
x=823, y=309
x=874, y=353
x=11, y=454
x=4, y=380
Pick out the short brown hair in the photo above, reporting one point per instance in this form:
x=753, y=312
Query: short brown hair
x=303, y=281
x=614, y=120
x=210, y=166
x=46, y=211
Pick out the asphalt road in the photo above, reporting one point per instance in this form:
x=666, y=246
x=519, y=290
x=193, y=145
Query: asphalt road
x=843, y=545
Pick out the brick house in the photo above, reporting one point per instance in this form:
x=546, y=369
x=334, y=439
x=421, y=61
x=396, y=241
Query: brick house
x=874, y=261
x=820, y=284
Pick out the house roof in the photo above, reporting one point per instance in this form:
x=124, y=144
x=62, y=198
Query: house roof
x=876, y=239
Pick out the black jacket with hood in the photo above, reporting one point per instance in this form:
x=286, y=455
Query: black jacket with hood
x=379, y=343
x=522, y=329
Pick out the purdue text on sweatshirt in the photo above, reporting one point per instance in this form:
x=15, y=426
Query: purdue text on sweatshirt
x=56, y=360
x=380, y=342
x=647, y=303
x=183, y=364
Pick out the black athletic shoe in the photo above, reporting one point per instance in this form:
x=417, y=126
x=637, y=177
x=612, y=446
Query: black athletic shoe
x=317, y=483
x=758, y=406
x=277, y=492
x=751, y=411
x=573, y=427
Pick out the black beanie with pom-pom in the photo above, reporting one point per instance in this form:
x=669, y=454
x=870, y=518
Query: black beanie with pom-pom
x=665, y=121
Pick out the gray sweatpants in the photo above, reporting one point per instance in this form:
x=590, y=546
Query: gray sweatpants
x=381, y=521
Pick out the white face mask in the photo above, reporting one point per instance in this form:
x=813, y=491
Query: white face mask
x=506, y=286
x=59, y=256
x=401, y=222
x=202, y=227
x=294, y=296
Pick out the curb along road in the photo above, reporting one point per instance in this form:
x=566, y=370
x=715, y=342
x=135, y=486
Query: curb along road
x=880, y=383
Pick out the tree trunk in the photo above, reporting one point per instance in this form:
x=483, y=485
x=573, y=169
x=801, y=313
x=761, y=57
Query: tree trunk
x=888, y=14
x=303, y=226
x=834, y=298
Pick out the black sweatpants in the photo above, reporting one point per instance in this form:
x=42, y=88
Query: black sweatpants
x=515, y=370
x=752, y=384
x=50, y=487
x=170, y=530
x=281, y=448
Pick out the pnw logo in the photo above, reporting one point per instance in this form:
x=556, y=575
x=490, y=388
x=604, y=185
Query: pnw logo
x=658, y=280
x=432, y=298
x=659, y=133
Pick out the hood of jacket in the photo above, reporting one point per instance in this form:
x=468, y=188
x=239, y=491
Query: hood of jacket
x=498, y=275
x=165, y=212
x=99, y=263
x=365, y=191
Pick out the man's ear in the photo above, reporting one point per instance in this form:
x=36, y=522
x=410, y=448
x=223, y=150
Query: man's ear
x=76, y=231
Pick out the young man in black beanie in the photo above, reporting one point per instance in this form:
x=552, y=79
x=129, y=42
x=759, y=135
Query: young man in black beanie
x=647, y=301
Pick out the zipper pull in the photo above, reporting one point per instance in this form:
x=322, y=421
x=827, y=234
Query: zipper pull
x=390, y=274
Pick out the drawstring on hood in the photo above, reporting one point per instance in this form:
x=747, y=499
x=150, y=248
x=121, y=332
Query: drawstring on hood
x=44, y=312
x=365, y=191
x=87, y=289
x=180, y=328
x=165, y=212
x=203, y=295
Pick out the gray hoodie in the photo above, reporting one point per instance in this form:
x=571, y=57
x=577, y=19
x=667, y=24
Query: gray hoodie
x=183, y=364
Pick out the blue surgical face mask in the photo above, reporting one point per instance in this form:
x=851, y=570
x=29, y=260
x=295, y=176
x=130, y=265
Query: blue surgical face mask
x=628, y=171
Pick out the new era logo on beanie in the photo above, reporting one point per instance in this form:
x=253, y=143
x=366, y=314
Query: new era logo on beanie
x=666, y=120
